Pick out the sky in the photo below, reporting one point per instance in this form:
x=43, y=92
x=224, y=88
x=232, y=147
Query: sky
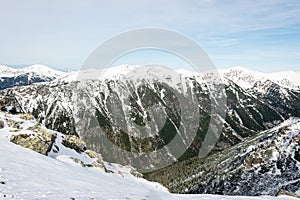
x=261, y=35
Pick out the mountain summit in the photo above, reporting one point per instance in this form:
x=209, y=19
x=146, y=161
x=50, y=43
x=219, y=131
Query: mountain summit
x=247, y=78
x=10, y=77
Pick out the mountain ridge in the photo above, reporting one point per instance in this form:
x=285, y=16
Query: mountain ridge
x=118, y=102
x=10, y=77
x=239, y=74
x=36, y=68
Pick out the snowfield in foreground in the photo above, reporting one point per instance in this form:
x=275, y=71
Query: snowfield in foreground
x=25, y=174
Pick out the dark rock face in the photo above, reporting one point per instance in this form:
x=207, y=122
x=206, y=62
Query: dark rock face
x=2, y=102
x=11, y=110
x=1, y=124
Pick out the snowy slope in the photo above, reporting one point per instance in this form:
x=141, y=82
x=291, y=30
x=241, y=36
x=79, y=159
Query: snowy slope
x=25, y=174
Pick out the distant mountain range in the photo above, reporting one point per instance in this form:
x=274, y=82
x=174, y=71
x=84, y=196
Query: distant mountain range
x=10, y=77
x=242, y=76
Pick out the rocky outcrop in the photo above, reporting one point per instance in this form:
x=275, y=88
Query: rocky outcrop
x=26, y=116
x=135, y=173
x=74, y=142
x=2, y=103
x=40, y=142
x=286, y=193
x=98, y=160
x=23, y=130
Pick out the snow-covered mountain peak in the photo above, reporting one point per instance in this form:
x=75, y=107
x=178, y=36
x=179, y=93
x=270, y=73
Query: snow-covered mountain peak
x=10, y=77
x=287, y=78
x=240, y=69
x=4, y=68
x=242, y=76
x=42, y=70
x=247, y=78
x=117, y=72
x=38, y=69
x=96, y=74
x=6, y=71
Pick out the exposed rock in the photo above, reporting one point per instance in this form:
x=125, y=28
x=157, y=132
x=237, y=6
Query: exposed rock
x=2, y=180
x=78, y=161
x=2, y=103
x=14, y=124
x=26, y=116
x=98, y=162
x=1, y=124
x=40, y=142
x=283, y=192
x=93, y=154
x=135, y=173
x=35, y=128
x=74, y=142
